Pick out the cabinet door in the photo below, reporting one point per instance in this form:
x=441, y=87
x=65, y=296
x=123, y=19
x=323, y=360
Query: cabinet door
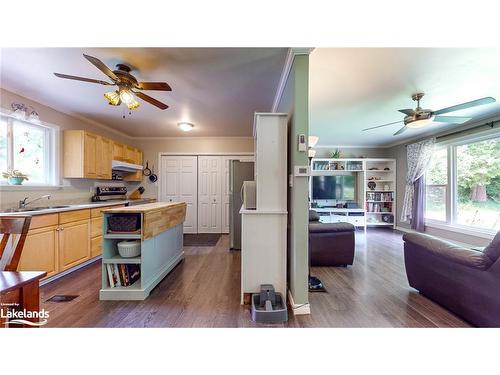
x=95, y=247
x=74, y=243
x=89, y=157
x=118, y=151
x=104, y=153
x=209, y=194
x=40, y=252
x=130, y=154
x=96, y=227
x=136, y=158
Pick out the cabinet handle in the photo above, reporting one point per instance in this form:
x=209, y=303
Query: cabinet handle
x=62, y=228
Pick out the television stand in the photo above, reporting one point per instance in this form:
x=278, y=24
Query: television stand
x=355, y=216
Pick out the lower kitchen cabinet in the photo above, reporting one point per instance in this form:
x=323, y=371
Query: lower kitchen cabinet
x=74, y=243
x=95, y=246
x=40, y=252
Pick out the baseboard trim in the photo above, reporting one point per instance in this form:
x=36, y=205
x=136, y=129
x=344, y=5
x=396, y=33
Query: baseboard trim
x=304, y=309
x=403, y=229
x=70, y=270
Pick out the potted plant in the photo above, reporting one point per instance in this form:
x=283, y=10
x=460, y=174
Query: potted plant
x=14, y=177
x=336, y=154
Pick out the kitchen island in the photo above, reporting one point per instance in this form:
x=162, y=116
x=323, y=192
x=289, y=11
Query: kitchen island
x=161, y=244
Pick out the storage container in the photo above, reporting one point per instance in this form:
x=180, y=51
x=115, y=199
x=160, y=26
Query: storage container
x=129, y=249
x=124, y=223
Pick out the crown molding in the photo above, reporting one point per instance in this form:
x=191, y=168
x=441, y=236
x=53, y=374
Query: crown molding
x=292, y=52
x=189, y=138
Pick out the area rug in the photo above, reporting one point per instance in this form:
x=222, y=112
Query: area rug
x=201, y=239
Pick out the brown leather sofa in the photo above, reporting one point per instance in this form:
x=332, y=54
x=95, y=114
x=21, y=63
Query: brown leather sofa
x=465, y=281
x=330, y=244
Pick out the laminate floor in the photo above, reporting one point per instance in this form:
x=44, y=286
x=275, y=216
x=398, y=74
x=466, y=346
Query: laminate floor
x=204, y=291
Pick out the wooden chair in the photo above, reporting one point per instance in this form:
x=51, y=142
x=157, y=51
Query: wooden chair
x=10, y=251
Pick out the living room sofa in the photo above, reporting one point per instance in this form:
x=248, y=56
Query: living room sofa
x=330, y=244
x=464, y=280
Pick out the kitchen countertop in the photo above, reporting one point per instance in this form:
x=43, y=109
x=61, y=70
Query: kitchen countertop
x=145, y=208
x=74, y=207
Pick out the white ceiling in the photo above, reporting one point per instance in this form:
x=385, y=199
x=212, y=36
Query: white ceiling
x=355, y=88
x=217, y=89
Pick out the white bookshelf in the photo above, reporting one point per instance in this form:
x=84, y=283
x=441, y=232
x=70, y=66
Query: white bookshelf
x=377, y=204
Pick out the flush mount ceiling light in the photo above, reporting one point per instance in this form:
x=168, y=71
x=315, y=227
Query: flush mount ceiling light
x=185, y=126
x=25, y=112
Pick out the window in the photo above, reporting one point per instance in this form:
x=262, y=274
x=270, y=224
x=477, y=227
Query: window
x=27, y=147
x=436, y=181
x=463, y=184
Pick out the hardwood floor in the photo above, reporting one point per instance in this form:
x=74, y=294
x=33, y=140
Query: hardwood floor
x=204, y=291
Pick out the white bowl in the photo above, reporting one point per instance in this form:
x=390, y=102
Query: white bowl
x=129, y=249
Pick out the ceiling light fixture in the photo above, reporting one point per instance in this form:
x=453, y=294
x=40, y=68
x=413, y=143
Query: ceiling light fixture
x=112, y=97
x=185, y=126
x=419, y=123
x=126, y=96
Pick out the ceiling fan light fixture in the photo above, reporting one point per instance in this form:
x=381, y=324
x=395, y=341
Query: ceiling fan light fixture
x=185, y=126
x=126, y=96
x=133, y=105
x=419, y=123
x=112, y=97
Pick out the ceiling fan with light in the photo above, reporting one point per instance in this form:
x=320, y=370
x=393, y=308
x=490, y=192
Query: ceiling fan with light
x=419, y=118
x=126, y=82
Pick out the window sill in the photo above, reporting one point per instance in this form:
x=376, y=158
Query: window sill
x=461, y=229
x=5, y=187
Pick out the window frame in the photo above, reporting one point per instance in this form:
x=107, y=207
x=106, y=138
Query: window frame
x=452, y=192
x=51, y=151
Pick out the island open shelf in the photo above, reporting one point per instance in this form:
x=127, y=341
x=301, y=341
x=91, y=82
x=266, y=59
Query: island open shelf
x=161, y=242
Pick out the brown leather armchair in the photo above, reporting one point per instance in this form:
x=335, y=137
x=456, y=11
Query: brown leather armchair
x=464, y=280
x=330, y=244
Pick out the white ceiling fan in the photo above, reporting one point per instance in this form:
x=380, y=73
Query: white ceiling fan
x=419, y=118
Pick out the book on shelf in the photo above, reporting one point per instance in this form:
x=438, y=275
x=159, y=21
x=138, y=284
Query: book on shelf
x=123, y=274
x=379, y=196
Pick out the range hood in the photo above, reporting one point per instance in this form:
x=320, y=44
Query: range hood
x=122, y=166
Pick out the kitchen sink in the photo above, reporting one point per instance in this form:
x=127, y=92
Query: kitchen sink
x=30, y=209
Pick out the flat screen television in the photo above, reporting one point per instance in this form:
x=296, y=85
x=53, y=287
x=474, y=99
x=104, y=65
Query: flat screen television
x=333, y=187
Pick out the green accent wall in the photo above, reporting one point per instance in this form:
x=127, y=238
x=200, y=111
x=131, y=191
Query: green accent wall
x=295, y=102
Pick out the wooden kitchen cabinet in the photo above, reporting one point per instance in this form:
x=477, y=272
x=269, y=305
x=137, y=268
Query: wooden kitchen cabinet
x=74, y=243
x=95, y=246
x=104, y=154
x=86, y=155
x=40, y=252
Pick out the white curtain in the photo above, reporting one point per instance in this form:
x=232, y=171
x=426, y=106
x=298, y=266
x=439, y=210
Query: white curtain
x=418, y=157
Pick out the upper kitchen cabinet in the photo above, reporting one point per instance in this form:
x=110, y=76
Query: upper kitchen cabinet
x=87, y=155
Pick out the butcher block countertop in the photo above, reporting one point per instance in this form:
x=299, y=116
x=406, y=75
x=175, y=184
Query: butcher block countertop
x=145, y=208
x=157, y=217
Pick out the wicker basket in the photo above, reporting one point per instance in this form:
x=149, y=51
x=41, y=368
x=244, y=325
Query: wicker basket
x=124, y=223
x=129, y=249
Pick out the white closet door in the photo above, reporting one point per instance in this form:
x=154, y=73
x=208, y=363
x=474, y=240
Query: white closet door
x=178, y=183
x=225, y=192
x=209, y=194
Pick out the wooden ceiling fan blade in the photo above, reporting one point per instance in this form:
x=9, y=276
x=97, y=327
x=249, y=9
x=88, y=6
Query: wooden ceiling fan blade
x=381, y=126
x=452, y=119
x=401, y=130
x=151, y=100
x=101, y=66
x=67, y=76
x=473, y=103
x=162, y=86
x=408, y=112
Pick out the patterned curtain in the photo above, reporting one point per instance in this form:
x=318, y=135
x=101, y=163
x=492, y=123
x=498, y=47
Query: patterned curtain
x=418, y=157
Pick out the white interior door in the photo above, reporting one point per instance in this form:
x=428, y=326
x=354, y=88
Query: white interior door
x=178, y=183
x=209, y=194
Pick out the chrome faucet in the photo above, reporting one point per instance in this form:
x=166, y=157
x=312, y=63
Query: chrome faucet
x=23, y=203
